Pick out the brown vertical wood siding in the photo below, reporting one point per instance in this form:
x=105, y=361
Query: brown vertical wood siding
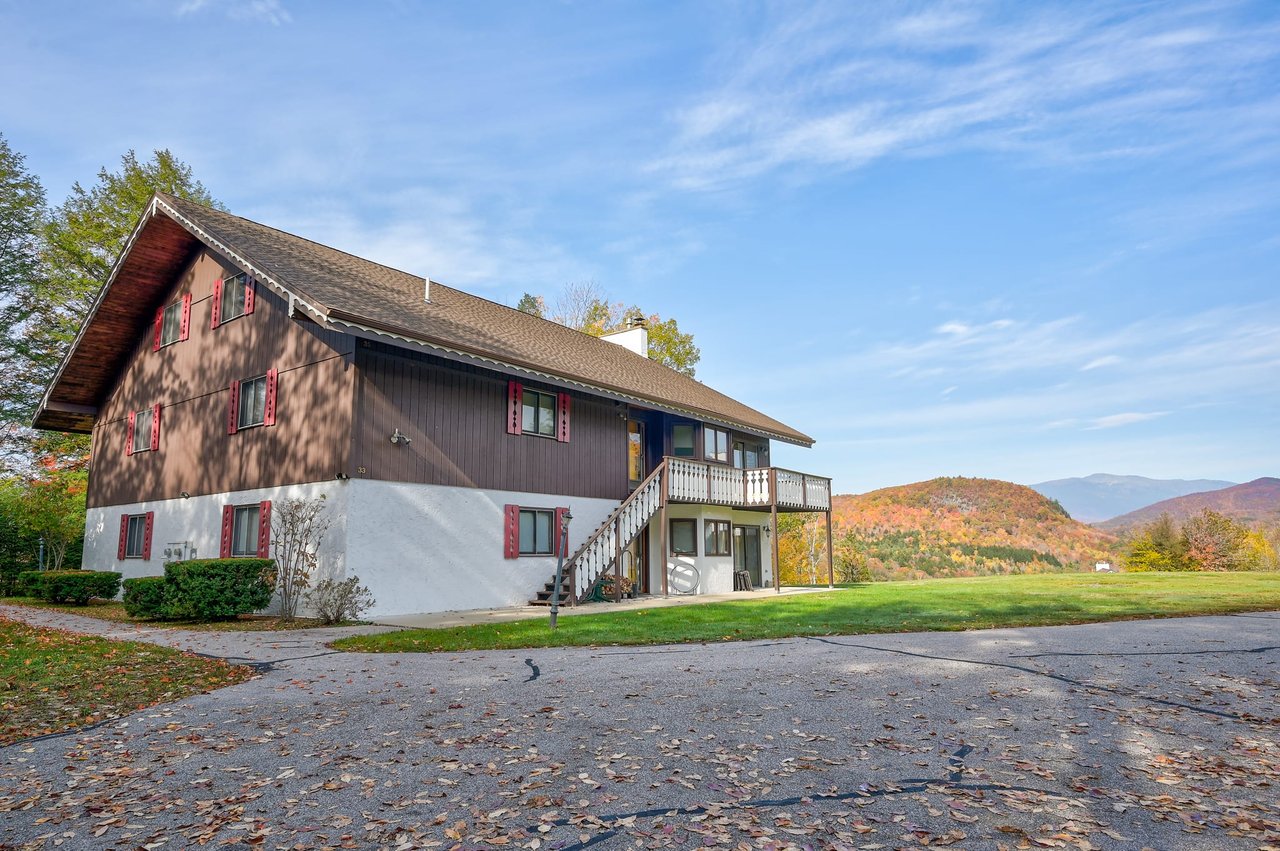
x=456, y=418
x=190, y=380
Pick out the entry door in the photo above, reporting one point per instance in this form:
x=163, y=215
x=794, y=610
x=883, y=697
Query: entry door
x=746, y=552
x=636, y=461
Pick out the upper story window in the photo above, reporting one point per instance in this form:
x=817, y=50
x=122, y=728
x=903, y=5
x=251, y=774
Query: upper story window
x=253, y=402
x=144, y=431
x=715, y=444
x=173, y=323
x=747, y=455
x=232, y=297
x=537, y=412
x=682, y=440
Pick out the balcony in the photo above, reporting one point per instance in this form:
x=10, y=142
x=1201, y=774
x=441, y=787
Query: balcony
x=762, y=487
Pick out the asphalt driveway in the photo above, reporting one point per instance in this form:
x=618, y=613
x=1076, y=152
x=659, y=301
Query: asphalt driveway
x=1159, y=734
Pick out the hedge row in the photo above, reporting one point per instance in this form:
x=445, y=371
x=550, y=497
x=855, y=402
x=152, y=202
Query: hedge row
x=203, y=589
x=69, y=586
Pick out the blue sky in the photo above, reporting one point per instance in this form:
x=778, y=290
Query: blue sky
x=1016, y=240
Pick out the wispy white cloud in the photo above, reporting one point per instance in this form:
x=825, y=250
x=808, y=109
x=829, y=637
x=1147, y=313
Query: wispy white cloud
x=843, y=85
x=1098, y=363
x=266, y=11
x=1128, y=418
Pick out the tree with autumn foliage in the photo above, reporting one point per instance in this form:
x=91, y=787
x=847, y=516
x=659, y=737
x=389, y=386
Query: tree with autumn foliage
x=584, y=306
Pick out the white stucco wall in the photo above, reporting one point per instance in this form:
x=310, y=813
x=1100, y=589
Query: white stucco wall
x=198, y=520
x=715, y=573
x=429, y=548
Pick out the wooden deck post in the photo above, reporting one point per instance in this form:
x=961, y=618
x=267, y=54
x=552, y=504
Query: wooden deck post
x=831, y=564
x=773, y=523
x=662, y=533
x=617, y=560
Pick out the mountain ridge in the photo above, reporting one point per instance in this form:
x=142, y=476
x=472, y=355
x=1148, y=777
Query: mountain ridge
x=1101, y=496
x=1255, y=503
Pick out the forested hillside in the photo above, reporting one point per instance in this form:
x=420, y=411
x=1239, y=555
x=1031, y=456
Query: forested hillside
x=947, y=527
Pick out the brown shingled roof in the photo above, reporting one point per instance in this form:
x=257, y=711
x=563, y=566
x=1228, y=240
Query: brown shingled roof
x=344, y=289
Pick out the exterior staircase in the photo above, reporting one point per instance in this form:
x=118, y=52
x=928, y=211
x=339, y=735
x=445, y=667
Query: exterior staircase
x=602, y=551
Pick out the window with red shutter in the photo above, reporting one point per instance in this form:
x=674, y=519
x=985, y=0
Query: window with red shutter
x=128, y=437
x=269, y=406
x=149, y=523
x=511, y=531
x=184, y=330
x=562, y=417
x=514, y=394
x=228, y=527
x=215, y=309
x=264, y=529
x=233, y=410
x=155, y=346
x=155, y=427
x=124, y=536
x=250, y=295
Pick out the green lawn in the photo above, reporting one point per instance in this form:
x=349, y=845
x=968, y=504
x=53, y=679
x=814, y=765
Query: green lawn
x=938, y=604
x=51, y=680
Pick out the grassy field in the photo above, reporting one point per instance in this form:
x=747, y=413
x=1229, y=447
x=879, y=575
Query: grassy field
x=113, y=610
x=939, y=604
x=52, y=680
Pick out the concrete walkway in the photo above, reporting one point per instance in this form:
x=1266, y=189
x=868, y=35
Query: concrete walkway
x=440, y=620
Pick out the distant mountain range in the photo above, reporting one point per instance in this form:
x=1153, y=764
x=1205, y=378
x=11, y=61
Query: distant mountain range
x=965, y=527
x=1255, y=503
x=1102, y=496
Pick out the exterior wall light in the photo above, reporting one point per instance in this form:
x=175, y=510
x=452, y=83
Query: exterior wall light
x=397, y=437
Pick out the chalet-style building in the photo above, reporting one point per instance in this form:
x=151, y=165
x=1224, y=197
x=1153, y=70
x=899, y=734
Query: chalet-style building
x=227, y=366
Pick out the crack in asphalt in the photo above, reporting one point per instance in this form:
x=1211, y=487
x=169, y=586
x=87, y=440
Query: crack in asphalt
x=1158, y=652
x=1234, y=716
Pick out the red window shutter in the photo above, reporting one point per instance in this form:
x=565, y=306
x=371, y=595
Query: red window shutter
x=511, y=532
x=233, y=408
x=146, y=535
x=185, y=330
x=556, y=536
x=562, y=418
x=515, y=393
x=250, y=295
x=269, y=406
x=155, y=347
x=216, y=310
x=124, y=535
x=155, y=427
x=228, y=526
x=264, y=529
x=128, y=439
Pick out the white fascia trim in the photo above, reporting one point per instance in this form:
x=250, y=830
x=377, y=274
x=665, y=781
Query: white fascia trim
x=364, y=332
x=288, y=292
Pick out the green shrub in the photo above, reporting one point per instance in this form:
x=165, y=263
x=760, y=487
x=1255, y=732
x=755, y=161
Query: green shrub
x=217, y=588
x=147, y=597
x=10, y=573
x=28, y=583
x=70, y=586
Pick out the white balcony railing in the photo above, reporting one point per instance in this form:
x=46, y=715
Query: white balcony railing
x=716, y=484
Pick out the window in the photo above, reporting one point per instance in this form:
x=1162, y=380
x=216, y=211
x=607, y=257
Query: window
x=682, y=440
x=244, y=532
x=135, y=536
x=715, y=445
x=532, y=531
x=718, y=534
x=746, y=455
x=538, y=413
x=144, y=431
x=684, y=537
x=173, y=322
x=252, y=402
x=235, y=298
x=535, y=531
